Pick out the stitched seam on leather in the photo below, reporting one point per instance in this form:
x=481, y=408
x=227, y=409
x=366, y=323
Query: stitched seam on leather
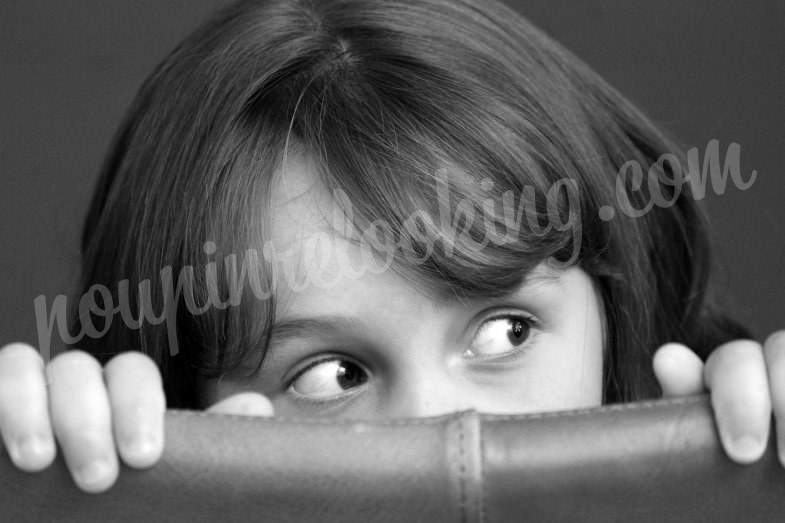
x=481, y=446
x=630, y=407
x=462, y=469
x=182, y=413
x=471, y=474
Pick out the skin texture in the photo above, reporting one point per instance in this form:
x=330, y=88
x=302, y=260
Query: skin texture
x=415, y=357
x=421, y=357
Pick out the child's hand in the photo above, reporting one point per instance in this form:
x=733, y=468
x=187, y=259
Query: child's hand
x=746, y=382
x=94, y=413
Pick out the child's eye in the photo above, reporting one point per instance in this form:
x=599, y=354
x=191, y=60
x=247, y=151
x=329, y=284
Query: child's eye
x=327, y=379
x=499, y=336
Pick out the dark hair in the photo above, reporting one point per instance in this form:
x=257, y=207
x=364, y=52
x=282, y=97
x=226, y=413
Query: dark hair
x=387, y=97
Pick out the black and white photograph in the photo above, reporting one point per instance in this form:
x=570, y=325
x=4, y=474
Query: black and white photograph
x=392, y=260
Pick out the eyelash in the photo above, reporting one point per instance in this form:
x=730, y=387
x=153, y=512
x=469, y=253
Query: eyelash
x=531, y=321
x=320, y=361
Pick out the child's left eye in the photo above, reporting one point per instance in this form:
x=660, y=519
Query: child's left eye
x=500, y=336
x=327, y=379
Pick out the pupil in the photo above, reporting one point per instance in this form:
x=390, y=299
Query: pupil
x=350, y=375
x=517, y=331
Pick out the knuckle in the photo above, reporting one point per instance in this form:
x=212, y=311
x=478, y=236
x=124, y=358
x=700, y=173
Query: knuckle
x=74, y=359
x=673, y=347
x=742, y=348
x=19, y=350
x=132, y=366
x=19, y=360
x=735, y=355
x=70, y=366
x=130, y=358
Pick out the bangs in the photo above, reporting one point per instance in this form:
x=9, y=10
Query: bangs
x=460, y=189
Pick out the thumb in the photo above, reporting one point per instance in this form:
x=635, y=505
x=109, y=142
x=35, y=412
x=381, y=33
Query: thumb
x=678, y=370
x=243, y=404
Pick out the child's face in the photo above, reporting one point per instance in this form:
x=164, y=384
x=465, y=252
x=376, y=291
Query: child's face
x=373, y=346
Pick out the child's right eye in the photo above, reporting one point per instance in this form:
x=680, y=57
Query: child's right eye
x=328, y=379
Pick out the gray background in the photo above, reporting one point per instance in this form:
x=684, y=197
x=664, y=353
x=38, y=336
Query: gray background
x=68, y=71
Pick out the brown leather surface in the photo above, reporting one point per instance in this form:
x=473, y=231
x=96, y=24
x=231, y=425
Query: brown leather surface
x=652, y=461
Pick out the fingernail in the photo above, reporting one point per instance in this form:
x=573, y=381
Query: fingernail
x=747, y=448
x=33, y=448
x=94, y=473
x=30, y=452
x=143, y=445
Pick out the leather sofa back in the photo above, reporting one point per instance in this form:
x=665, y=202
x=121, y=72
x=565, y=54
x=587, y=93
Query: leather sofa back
x=636, y=462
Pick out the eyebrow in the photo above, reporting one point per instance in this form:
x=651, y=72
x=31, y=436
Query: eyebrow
x=314, y=326
x=538, y=277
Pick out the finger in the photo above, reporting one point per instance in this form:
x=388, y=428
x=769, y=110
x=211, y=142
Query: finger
x=24, y=408
x=138, y=404
x=81, y=419
x=774, y=352
x=736, y=375
x=244, y=404
x=679, y=370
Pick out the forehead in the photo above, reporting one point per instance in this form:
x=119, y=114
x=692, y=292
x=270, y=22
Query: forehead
x=299, y=198
x=319, y=270
x=301, y=232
